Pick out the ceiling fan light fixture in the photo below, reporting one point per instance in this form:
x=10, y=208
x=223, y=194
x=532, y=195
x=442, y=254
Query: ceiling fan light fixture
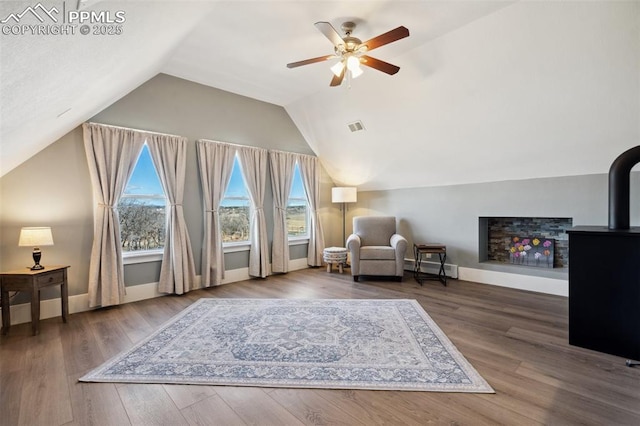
x=353, y=65
x=351, y=51
x=337, y=68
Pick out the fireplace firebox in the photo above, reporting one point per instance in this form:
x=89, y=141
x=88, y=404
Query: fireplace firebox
x=525, y=241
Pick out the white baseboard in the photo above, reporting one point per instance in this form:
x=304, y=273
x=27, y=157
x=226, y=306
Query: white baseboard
x=51, y=308
x=431, y=267
x=297, y=264
x=554, y=286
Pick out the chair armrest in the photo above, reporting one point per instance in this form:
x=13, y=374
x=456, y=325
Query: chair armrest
x=398, y=242
x=353, y=243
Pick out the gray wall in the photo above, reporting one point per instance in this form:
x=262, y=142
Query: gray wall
x=171, y=105
x=53, y=187
x=449, y=214
x=50, y=189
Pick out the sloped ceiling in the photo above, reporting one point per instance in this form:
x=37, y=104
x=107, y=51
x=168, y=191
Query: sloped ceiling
x=536, y=89
x=488, y=90
x=51, y=83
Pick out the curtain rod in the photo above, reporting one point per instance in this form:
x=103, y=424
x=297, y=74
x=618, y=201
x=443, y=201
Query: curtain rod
x=197, y=140
x=289, y=152
x=135, y=130
x=231, y=144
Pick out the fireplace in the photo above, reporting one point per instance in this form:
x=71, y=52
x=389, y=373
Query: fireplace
x=604, y=296
x=525, y=241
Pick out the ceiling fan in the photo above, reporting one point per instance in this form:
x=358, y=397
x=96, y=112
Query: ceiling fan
x=352, y=51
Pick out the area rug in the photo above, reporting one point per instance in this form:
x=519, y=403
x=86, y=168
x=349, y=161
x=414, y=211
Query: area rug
x=298, y=343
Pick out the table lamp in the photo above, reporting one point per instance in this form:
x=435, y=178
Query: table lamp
x=344, y=195
x=36, y=237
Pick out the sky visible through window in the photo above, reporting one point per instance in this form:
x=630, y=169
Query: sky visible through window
x=297, y=195
x=144, y=181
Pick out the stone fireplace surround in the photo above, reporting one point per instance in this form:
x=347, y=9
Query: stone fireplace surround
x=496, y=232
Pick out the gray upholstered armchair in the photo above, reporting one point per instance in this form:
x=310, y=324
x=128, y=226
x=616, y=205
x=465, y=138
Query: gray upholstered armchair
x=376, y=249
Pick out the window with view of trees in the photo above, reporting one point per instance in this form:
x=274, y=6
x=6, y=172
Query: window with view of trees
x=142, y=208
x=297, y=207
x=234, y=208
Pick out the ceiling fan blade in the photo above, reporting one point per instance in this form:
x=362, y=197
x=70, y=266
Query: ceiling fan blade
x=383, y=66
x=337, y=79
x=330, y=33
x=310, y=61
x=386, y=38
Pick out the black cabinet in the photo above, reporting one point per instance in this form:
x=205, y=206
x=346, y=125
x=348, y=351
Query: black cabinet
x=604, y=290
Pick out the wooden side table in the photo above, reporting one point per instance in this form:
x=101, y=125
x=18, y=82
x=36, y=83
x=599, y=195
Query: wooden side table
x=435, y=248
x=32, y=281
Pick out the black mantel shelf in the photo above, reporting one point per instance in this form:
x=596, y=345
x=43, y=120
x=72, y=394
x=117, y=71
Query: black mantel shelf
x=604, y=230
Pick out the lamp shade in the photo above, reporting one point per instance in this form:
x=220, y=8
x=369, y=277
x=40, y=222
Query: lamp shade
x=344, y=194
x=337, y=68
x=353, y=64
x=35, y=237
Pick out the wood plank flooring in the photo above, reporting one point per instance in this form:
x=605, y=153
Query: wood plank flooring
x=516, y=340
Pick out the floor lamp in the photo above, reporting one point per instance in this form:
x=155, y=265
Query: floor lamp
x=344, y=195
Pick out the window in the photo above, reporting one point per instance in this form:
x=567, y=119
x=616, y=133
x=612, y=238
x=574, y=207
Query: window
x=234, y=208
x=142, y=208
x=297, y=207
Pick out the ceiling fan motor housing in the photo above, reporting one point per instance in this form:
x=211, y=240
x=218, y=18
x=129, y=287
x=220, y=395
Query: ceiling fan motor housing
x=348, y=27
x=351, y=43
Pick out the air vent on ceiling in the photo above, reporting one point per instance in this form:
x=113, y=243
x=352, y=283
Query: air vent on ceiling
x=356, y=126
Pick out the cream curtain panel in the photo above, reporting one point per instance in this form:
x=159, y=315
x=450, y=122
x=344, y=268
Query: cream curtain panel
x=311, y=180
x=282, y=167
x=215, y=160
x=254, y=170
x=112, y=153
x=169, y=154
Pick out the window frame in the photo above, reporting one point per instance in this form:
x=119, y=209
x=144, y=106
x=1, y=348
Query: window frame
x=243, y=245
x=144, y=256
x=156, y=255
x=299, y=239
x=133, y=257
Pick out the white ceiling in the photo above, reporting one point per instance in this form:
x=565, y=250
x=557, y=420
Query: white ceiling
x=50, y=84
x=244, y=48
x=476, y=77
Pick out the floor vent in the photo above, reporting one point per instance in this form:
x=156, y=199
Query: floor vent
x=356, y=126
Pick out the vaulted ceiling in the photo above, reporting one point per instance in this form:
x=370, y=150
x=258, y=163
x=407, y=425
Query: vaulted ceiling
x=488, y=90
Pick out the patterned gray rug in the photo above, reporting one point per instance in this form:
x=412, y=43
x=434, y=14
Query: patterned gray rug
x=338, y=344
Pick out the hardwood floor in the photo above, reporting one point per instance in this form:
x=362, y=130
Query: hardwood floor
x=516, y=340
